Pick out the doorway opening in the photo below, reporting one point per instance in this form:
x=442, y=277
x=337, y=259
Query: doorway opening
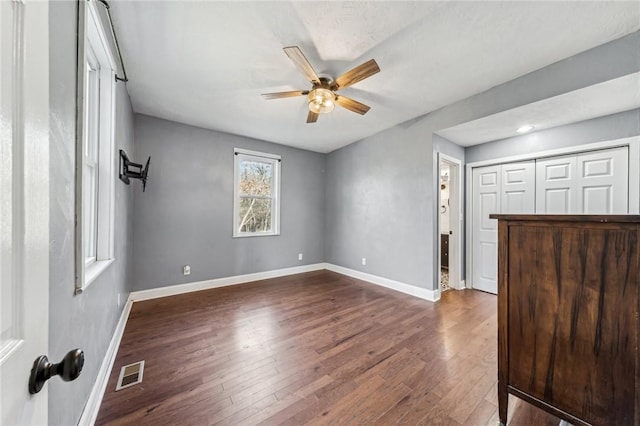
x=449, y=223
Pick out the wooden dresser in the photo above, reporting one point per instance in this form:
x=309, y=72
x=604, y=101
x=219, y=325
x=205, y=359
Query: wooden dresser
x=568, y=316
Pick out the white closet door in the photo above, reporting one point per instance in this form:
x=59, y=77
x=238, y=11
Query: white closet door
x=556, y=185
x=590, y=183
x=486, y=200
x=603, y=182
x=518, y=188
x=506, y=188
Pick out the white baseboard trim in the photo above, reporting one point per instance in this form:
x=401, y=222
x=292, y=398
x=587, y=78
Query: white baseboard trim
x=91, y=408
x=154, y=293
x=422, y=293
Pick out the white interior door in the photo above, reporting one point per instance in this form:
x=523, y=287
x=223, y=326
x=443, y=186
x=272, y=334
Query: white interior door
x=603, y=182
x=518, y=194
x=486, y=200
x=505, y=188
x=24, y=206
x=556, y=185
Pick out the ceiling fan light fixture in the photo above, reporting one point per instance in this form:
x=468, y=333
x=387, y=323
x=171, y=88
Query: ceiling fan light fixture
x=321, y=100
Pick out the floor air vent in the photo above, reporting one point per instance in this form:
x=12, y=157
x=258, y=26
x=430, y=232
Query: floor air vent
x=130, y=375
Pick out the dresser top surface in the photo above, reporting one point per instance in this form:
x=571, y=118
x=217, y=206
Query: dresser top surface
x=621, y=218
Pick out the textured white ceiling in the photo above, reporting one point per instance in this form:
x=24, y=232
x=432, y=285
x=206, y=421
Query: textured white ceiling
x=206, y=63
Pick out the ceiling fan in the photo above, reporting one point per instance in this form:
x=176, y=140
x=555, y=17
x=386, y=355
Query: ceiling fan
x=322, y=97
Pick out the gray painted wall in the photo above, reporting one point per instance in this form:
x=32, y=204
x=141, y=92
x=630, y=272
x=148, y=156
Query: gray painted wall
x=449, y=148
x=185, y=215
x=381, y=191
x=610, y=127
x=380, y=204
x=88, y=320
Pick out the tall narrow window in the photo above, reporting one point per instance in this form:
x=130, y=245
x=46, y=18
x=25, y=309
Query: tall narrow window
x=95, y=149
x=256, y=194
x=90, y=157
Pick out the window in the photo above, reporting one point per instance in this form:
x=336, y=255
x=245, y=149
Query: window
x=95, y=150
x=90, y=157
x=256, y=194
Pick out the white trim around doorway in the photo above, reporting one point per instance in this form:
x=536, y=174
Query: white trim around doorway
x=456, y=223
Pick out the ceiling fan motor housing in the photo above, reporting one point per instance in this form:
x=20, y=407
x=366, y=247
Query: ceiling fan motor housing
x=322, y=97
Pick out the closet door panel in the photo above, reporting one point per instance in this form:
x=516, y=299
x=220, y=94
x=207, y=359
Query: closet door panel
x=556, y=185
x=603, y=181
x=486, y=201
x=518, y=188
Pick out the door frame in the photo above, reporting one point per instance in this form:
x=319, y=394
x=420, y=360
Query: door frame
x=633, y=143
x=456, y=217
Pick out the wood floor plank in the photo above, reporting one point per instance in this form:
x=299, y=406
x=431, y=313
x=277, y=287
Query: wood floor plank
x=313, y=348
x=300, y=400
x=481, y=414
x=321, y=400
x=373, y=408
x=421, y=405
x=234, y=416
x=343, y=408
x=468, y=402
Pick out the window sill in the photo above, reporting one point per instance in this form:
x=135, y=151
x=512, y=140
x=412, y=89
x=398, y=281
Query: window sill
x=257, y=234
x=94, y=270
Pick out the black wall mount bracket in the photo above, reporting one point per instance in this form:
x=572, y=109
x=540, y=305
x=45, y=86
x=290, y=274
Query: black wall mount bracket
x=130, y=170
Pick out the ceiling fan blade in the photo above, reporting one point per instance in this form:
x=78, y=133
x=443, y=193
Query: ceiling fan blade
x=278, y=95
x=297, y=57
x=352, y=105
x=312, y=117
x=357, y=74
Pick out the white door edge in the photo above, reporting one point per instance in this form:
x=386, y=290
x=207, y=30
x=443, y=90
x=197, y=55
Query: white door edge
x=456, y=224
x=25, y=44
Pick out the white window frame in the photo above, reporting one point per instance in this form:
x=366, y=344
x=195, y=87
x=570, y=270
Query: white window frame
x=90, y=156
x=93, y=46
x=274, y=160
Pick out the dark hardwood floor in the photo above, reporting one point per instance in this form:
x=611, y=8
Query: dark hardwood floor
x=314, y=348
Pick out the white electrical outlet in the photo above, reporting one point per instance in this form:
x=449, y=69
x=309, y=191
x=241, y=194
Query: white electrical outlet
x=186, y=270
x=364, y=260
x=299, y=256
x=118, y=300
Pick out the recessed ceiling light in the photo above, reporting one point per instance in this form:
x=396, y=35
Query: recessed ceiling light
x=524, y=129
